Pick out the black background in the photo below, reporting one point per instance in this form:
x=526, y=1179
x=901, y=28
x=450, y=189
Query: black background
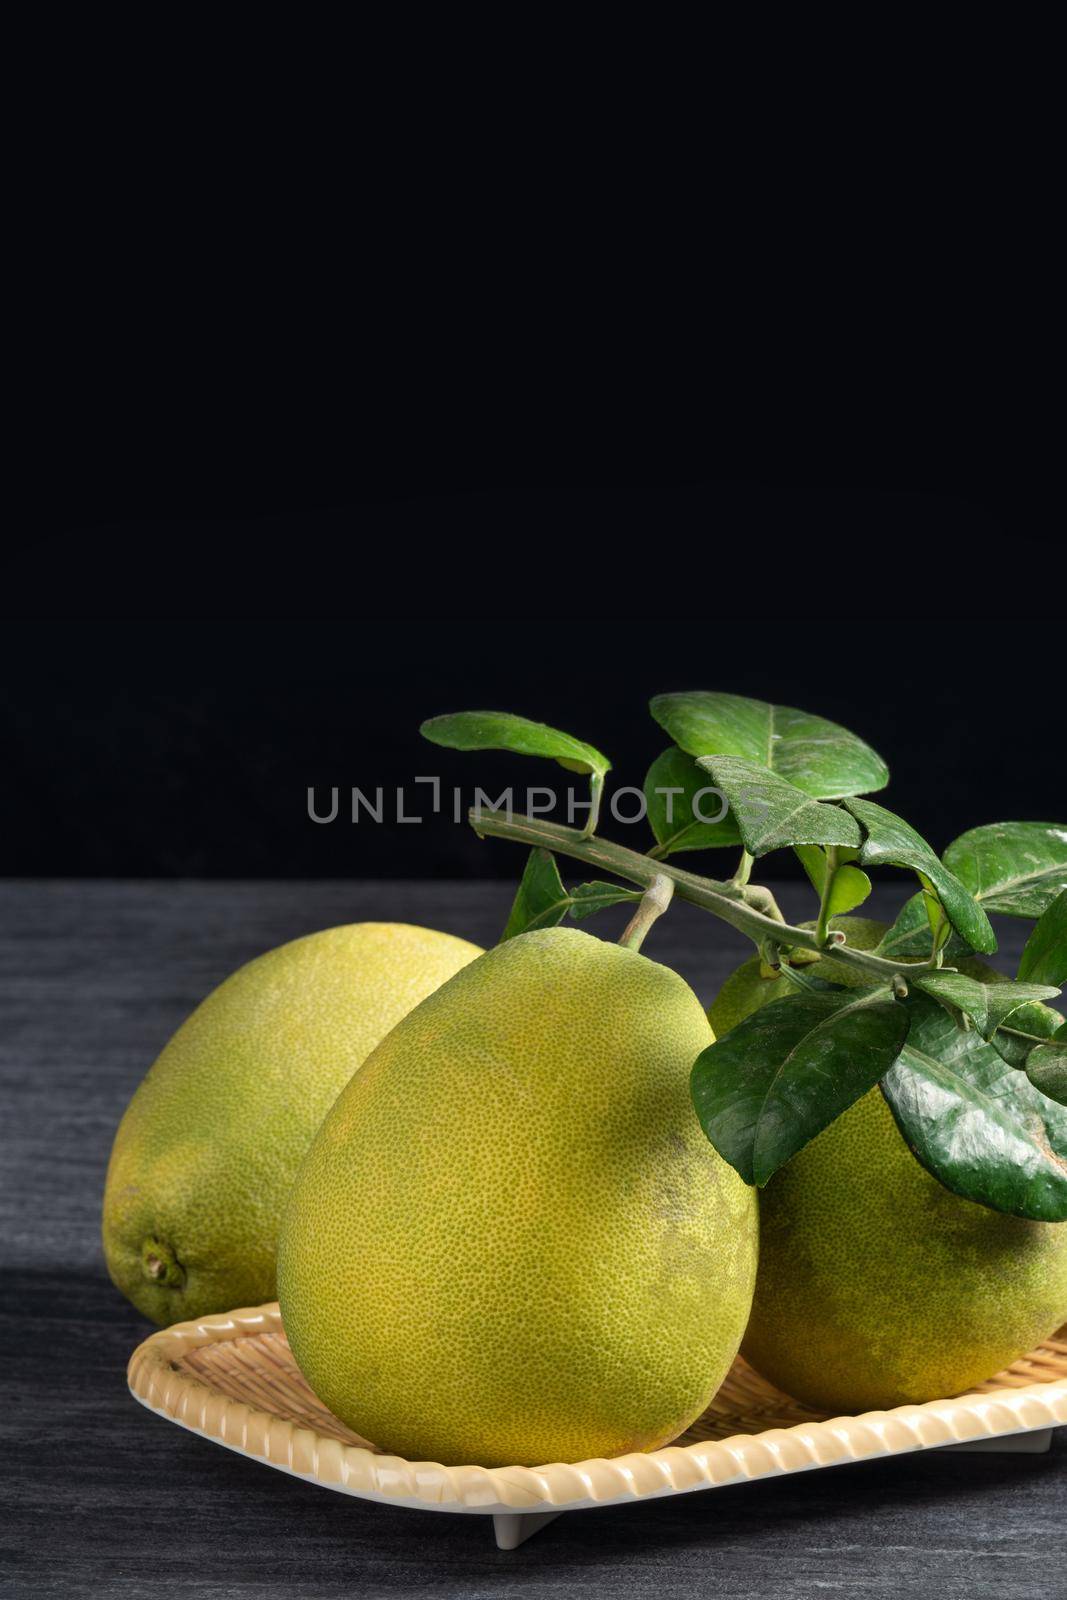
x=196, y=675
x=323, y=427
x=751, y=392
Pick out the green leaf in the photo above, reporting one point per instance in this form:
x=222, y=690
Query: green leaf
x=500, y=730
x=1047, y=1068
x=819, y=757
x=1017, y=868
x=1023, y=896
x=910, y=936
x=788, y=1070
x=851, y=885
x=771, y=812
x=675, y=817
x=893, y=842
x=541, y=900
x=936, y=920
x=987, y=1004
x=1045, y=958
x=1025, y=1029
x=588, y=898
x=981, y=1129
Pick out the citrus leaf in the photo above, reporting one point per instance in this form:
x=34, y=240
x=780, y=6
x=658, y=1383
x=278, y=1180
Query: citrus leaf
x=787, y=1071
x=500, y=730
x=1047, y=1068
x=588, y=898
x=936, y=919
x=910, y=936
x=1025, y=1029
x=820, y=757
x=893, y=842
x=1016, y=868
x=851, y=885
x=673, y=794
x=1044, y=959
x=987, y=1004
x=981, y=1129
x=541, y=900
x=771, y=812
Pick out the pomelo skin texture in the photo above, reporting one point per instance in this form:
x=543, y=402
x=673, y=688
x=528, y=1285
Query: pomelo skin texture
x=511, y=1241
x=210, y=1143
x=877, y=1287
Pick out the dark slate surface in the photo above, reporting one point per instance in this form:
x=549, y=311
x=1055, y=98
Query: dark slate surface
x=101, y=1498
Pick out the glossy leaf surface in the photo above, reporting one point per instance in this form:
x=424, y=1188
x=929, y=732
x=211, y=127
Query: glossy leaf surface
x=1017, y=868
x=891, y=841
x=784, y=1073
x=980, y=1128
x=1044, y=959
x=771, y=812
x=987, y=1004
x=1047, y=1068
x=818, y=756
x=1025, y=1029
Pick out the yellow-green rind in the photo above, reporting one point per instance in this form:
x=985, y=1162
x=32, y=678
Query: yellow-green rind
x=877, y=1287
x=510, y=1241
x=209, y=1145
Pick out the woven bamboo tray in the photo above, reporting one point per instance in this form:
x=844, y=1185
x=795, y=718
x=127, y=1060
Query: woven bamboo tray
x=233, y=1379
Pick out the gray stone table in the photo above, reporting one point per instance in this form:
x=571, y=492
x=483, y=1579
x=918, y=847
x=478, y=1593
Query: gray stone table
x=101, y=1498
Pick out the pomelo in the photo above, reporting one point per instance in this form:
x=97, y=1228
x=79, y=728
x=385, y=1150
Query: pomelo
x=208, y=1147
x=876, y=1286
x=510, y=1240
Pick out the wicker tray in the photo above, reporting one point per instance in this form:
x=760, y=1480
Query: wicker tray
x=233, y=1379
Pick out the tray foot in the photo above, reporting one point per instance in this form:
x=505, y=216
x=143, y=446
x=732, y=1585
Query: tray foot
x=1034, y=1443
x=512, y=1528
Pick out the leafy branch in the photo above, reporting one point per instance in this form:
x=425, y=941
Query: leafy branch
x=750, y=908
x=974, y=1067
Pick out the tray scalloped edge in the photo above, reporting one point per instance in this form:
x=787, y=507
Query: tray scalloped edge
x=158, y=1381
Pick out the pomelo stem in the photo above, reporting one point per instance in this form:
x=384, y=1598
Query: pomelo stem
x=744, y=869
x=751, y=909
x=823, y=923
x=596, y=792
x=654, y=902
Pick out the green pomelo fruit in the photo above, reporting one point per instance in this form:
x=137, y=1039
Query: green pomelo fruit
x=209, y=1145
x=511, y=1241
x=877, y=1287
